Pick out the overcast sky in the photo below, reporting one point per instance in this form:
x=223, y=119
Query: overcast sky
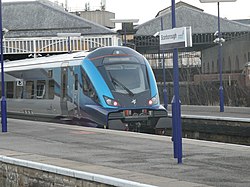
x=145, y=10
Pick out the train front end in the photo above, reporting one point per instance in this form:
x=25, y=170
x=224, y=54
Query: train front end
x=128, y=93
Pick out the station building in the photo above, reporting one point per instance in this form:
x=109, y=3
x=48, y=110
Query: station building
x=198, y=65
x=236, y=48
x=40, y=27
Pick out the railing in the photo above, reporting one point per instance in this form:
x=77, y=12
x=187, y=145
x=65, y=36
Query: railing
x=56, y=44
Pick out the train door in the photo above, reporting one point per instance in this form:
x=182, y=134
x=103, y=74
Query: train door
x=76, y=93
x=64, y=89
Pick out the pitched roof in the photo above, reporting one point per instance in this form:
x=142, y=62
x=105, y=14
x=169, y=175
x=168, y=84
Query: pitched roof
x=188, y=16
x=42, y=18
x=178, y=4
x=244, y=21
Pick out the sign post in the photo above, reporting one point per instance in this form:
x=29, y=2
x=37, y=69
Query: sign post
x=173, y=39
x=3, y=101
x=176, y=104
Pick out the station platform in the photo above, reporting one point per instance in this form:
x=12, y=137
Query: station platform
x=213, y=112
x=146, y=159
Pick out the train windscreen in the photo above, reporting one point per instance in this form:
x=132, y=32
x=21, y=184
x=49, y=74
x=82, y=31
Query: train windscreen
x=127, y=77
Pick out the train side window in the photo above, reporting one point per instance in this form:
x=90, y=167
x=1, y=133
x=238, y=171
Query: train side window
x=50, y=73
x=40, y=89
x=9, y=89
x=76, y=82
x=64, y=86
x=51, y=89
x=30, y=90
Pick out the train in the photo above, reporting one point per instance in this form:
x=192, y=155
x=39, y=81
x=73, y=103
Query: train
x=109, y=87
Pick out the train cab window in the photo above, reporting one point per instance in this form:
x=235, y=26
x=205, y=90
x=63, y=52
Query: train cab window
x=88, y=88
x=85, y=83
x=136, y=82
x=40, y=89
x=9, y=89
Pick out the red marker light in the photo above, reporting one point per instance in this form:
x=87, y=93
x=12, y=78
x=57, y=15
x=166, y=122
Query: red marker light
x=115, y=103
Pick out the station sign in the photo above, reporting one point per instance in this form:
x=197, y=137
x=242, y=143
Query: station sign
x=175, y=38
x=19, y=82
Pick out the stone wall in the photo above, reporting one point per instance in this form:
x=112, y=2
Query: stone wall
x=22, y=173
x=235, y=54
x=19, y=176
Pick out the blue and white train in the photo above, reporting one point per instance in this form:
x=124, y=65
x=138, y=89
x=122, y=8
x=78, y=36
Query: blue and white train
x=110, y=87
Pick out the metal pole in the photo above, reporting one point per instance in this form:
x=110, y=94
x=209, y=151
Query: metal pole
x=176, y=122
x=165, y=96
x=3, y=101
x=220, y=62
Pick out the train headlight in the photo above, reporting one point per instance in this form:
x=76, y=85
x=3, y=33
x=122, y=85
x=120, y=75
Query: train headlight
x=154, y=100
x=111, y=102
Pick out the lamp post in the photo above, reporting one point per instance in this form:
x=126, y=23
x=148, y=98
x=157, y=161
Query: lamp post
x=165, y=96
x=220, y=62
x=3, y=101
x=219, y=41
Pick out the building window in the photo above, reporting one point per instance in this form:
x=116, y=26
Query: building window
x=223, y=65
x=208, y=68
x=213, y=70
x=245, y=58
x=229, y=65
x=237, y=64
x=218, y=66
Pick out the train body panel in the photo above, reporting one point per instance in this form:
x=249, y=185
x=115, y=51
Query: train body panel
x=111, y=87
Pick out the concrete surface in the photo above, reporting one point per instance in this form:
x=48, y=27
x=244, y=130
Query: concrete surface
x=132, y=156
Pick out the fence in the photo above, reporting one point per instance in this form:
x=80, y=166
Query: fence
x=56, y=44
